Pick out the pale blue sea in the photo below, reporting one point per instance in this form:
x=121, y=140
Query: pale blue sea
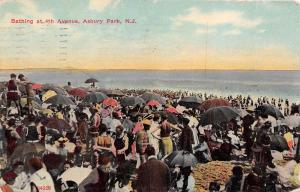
x=283, y=84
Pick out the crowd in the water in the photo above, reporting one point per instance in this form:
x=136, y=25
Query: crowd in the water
x=90, y=139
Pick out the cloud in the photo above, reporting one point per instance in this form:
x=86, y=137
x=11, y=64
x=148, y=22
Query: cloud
x=232, y=32
x=100, y=5
x=297, y=1
x=261, y=31
x=206, y=31
x=215, y=18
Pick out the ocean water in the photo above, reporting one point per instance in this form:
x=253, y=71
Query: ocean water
x=278, y=84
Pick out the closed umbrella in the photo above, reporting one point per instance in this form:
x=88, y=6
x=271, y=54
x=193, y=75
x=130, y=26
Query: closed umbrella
x=218, y=115
x=148, y=96
x=94, y=97
x=190, y=102
x=91, y=80
x=132, y=101
x=60, y=100
x=181, y=158
x=270, y=110
x=214, y=103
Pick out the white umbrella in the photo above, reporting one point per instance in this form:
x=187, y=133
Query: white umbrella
x=292, y=121
x=243, y=112
x=76, y=174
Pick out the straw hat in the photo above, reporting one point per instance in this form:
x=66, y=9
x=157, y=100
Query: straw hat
x=250, y=109
x=146, y=122
x=61, y=140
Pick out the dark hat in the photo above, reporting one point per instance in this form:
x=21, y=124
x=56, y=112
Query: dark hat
x=11, y=122
x=185, y=121
x=104, y=160
x=16, y=164
x=9, y=176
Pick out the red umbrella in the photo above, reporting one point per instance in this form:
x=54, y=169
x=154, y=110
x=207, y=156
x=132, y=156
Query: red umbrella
x=153, y=103
x=110, y=102
x=171, y=110
x=36, y=86
x=214, y=103
x=78, y=92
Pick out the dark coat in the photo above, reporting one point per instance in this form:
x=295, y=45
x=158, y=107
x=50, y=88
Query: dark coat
x=153, y=176
x=186, y=139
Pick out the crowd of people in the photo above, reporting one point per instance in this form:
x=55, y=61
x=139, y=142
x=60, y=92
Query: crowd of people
x=71, y=139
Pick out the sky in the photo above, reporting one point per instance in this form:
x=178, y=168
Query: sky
x=166, y=35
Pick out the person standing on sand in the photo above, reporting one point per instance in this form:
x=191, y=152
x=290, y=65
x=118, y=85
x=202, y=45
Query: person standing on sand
x=154, y=175
x=13, y=93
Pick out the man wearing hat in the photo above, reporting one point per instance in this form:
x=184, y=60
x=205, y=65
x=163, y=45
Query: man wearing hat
x=186, y=139
x=154, y=175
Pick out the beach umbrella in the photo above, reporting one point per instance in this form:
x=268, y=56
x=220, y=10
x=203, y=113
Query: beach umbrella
x=148, y=96
x=190, y=102
x=171, y=117
x=58, y=124
x=75, y=174
x=243, y=113
x=48, y=95
x=132, y=101
x=218, y=115
x=26, y=150
x=153, y=103
x=36, y=86
x=35, y=104
x=47, y=112
x=91, y=80
x=55, y=88
x=278, y=143
x=128, y=125
x=60, y=100
x=171, y=110
x=292, y=121
x=181, y=158
x=78, y=92
x=270, y=110
x=110, y=102
x=94, y=97
x=214, y=103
